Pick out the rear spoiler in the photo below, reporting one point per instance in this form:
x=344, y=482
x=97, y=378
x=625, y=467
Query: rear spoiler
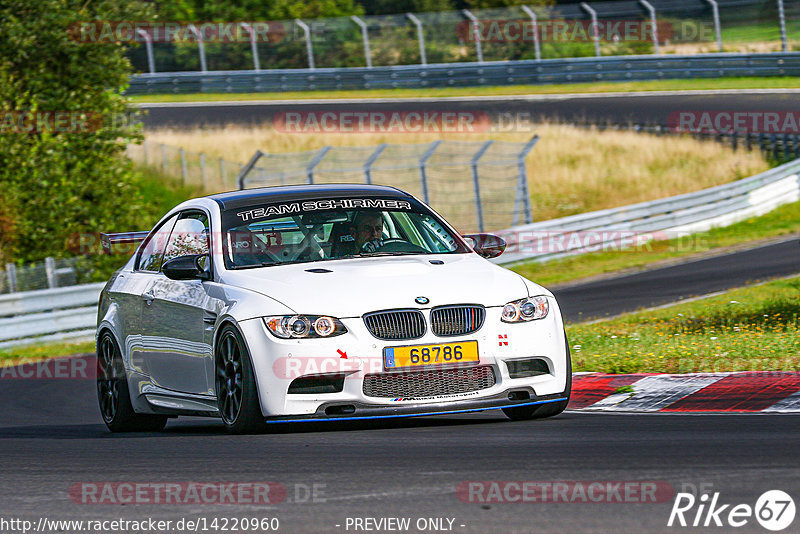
x=126, y=238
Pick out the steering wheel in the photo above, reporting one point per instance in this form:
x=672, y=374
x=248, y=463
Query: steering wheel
x=395, y=244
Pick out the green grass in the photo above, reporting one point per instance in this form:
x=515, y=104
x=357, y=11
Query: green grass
x=755, y=328
x=41, y=351
x=781, y=221
x=604, y=87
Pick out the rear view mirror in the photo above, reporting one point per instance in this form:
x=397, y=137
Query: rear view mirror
x=191, y=267
x=487, y=245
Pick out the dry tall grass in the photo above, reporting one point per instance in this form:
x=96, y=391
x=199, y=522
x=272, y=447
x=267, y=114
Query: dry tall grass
x=571, y=170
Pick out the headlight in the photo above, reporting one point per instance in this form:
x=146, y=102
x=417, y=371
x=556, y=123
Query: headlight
x=524, y=310
x=304, y=326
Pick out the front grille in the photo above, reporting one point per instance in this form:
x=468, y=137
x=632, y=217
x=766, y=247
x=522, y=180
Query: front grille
x=419, y=384
x=396, y=324
x=457, y=320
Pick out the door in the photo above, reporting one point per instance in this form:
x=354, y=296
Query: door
x=177, y=352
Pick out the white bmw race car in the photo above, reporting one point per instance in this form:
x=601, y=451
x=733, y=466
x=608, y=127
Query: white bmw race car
x=321, y=302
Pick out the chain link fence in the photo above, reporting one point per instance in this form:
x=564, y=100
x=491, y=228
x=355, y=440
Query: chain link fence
x=43, y=275
x=515, y=33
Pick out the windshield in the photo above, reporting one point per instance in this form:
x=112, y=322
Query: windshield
x=317, y=230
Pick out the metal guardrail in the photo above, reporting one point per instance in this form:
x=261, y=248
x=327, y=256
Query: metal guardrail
x=65, y=313
x=546, y=71
x=657, y=219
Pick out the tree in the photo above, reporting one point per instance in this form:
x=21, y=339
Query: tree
x=62, y=180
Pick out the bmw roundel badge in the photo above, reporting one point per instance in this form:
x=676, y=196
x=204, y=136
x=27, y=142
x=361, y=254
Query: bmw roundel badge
x=422, y=300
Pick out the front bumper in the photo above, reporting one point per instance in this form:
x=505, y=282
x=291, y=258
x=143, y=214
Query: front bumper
x=362, y=411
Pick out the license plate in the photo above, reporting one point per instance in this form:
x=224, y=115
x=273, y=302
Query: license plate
x=419, y=355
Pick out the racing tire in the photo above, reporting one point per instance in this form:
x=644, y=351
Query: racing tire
x=113, y=395
x=550, y=409
x=237, y=394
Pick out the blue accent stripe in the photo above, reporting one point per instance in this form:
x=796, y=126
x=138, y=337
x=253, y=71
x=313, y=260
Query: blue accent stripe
x=394, y=416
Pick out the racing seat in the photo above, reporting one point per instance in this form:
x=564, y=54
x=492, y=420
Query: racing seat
x=343, y=243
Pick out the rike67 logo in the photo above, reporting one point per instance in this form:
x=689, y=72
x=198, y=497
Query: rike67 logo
x=774, y=510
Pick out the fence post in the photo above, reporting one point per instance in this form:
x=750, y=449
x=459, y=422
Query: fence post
x=365, y=38
x=144, y=151
x=368, y=165
x=148, y=44
x=253, y=45
x=247, y=168
x=309, y=50
x=200, y=46
x=535, y=21
x=420, y=37
x=222, y=172
x=163, y=158
x=423, y=163
x=523, y=194
x=203, y=170
x=314, y=162
x=782, y=21
x=717, y=30
x=11, y=274
x=476, y=182
x=476, y=33
x=50, y=271
x=649, y=7
x=184, y=170
x=595, y=29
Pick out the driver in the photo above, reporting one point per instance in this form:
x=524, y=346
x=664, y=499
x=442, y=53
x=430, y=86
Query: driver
x=367, y=229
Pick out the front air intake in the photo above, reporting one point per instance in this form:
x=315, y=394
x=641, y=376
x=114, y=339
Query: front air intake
x=396, y=324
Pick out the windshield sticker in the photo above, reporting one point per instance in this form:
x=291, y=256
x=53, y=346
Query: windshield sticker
x=314, y=205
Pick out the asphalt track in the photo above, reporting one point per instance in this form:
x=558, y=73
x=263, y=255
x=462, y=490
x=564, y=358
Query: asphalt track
x=51, y=438
x=640, y=108
x=699, y=277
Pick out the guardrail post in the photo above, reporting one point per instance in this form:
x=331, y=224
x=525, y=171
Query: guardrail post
x=782, y=22
x=163, y=158
x=309, y=50
x=717, y=30
x=523, y=195
x=649, y=7
x=246, y=169
x=476, y=33
x=595, y=27
x=148, y=45
x=184, y=170
x=50, y=271
x=423, y=174
x=203, y=170
x=253, y=45
x=365, y=38
x=476, y=183
x=11, y=275
x=314, y=162
x=535, y=21
x=368, y=165
x=420, y=37
x=200, y=46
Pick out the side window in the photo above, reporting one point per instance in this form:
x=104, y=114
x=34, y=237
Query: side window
x=190, y=236
x=152, y=253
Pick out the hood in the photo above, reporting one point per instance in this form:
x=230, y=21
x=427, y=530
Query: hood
x=357, y=286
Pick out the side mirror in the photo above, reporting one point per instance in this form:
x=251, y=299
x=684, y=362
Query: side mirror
x=487, y=245
x=191, y=267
